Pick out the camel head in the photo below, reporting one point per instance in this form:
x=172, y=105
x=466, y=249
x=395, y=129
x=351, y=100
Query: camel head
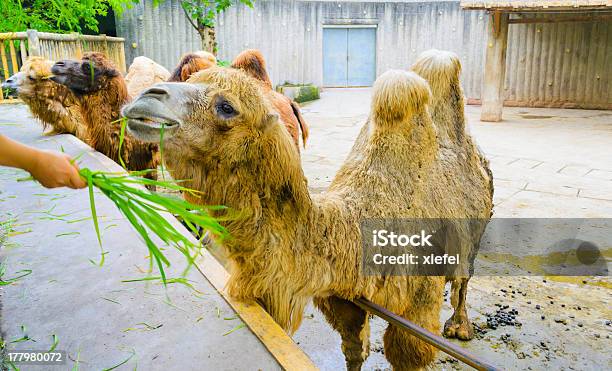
x=94, y=72
x=191, y=63
x=219, y=111
x=35, y=72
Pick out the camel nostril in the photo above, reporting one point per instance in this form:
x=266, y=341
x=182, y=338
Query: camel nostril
x=156, y=90
x=60, y=64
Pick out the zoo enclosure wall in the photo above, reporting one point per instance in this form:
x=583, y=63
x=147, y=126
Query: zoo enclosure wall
x=559, y=64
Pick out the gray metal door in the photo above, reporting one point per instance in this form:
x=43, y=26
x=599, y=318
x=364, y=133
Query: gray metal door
x=349, y=57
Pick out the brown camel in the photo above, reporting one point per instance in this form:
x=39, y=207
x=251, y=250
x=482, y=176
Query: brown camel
x=52, y=104
x=289, y=247
x=470, y=168
x=191, y=63
x=252, y=62
x=101, y=92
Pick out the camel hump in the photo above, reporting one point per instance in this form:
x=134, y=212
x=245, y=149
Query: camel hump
x=253, y=63
x=440, y=68
x=399, y=94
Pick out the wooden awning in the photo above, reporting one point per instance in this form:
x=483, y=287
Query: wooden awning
x=537, y=5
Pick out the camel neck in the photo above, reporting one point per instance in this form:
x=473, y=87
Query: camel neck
x=264, y=189
x=100, y=111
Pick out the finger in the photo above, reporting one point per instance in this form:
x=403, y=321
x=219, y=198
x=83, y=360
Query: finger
x=76, y=181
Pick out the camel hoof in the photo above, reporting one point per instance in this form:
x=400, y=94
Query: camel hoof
x=462, y=330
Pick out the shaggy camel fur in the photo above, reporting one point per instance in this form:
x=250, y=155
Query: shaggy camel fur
x=470, y=169
x=52, y=104
x=101, y=92
x=191, y=63
x=252, y=62
x=289, y=247
x=143, y=73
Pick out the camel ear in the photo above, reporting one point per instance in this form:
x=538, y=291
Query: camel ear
x=185, y=72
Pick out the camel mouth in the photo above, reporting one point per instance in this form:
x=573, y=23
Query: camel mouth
x=154, y=122
x=149, y=129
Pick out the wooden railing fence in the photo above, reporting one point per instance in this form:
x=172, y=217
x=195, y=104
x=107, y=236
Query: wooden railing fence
x=16, y=47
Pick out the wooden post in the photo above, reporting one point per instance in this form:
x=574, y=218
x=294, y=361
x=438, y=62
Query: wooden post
x=13, y=55
x=495, y=68
x=33, y=45
x=122, y=65
x=5, y=65
x=79, y=46
x=23, y=52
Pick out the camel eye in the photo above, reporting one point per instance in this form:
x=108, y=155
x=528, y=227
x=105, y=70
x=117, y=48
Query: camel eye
x=225, y=109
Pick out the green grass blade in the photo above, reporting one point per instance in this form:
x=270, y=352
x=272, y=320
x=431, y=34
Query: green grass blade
x=94, y=214
x=121, y=139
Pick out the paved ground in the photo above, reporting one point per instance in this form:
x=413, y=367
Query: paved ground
x=546, y=163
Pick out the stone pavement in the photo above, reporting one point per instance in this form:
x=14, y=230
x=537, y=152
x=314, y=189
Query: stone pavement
x=546, y=163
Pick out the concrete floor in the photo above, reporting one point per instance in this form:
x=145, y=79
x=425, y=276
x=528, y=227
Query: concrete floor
x=546, y=163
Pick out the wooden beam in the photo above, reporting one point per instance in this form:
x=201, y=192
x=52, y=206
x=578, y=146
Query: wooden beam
x=588, y=18
x=495, y=68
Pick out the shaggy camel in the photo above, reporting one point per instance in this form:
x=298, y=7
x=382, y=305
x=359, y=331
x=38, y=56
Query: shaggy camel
x=101, y=92
x=52, y=104
x=191, y=63
x=471, y=169
x=289, y=247
x=252, y=62
x=143, y=73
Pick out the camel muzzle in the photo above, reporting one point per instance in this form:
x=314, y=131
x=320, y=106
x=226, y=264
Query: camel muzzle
x=162, y=105
x=61, y=69
x=11, y=85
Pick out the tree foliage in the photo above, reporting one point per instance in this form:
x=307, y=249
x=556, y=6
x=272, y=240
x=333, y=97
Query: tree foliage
x=202, y=13
x=56, y=15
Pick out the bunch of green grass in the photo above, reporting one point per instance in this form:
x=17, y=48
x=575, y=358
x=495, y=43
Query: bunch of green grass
x=144, y=210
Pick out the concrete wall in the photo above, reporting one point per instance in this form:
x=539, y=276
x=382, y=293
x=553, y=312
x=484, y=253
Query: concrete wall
x=554, y=64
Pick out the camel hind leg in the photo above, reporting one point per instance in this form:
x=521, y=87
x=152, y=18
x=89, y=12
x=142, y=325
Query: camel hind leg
x=353, y=325
x=459, y=325
x=404, y=351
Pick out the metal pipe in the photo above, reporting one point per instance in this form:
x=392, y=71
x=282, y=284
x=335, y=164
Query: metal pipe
x=425, y=335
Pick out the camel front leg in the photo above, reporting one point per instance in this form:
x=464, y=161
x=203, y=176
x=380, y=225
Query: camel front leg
x=459, y=325
x=353, y=325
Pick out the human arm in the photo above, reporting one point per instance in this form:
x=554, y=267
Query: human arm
x=51, y=169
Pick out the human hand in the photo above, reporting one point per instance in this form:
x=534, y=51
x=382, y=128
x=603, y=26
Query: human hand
x=54, y=169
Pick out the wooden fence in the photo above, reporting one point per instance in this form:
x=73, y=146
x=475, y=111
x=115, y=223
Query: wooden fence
x=15, y=48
